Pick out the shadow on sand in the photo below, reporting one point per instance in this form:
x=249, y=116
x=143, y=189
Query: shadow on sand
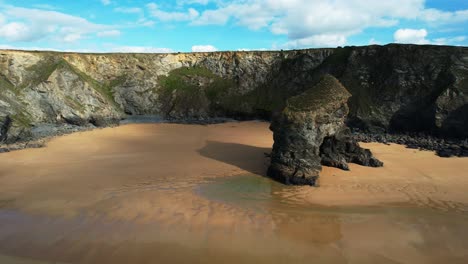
x=246, y=157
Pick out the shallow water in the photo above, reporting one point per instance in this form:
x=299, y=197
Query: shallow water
x=153, y=194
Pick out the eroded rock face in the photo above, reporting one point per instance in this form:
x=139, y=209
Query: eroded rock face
x=395, y=88
x=300, y=129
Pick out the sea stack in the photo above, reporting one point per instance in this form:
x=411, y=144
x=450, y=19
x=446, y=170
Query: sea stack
x=300, y=129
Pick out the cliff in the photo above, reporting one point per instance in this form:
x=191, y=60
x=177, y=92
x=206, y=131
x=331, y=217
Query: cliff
x=396, y=88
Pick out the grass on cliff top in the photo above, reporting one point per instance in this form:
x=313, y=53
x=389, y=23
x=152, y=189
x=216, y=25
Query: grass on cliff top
x=327, y=90
x=180, y=80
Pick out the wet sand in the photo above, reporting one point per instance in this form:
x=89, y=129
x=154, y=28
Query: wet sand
x=167, y=193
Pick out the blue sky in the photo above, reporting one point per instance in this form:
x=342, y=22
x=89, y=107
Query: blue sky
x=209, y=25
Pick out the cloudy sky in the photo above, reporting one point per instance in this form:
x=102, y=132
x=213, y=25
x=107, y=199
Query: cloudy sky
x=209, y=25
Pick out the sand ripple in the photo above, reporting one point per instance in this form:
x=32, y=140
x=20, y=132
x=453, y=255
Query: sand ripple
x=167, y=193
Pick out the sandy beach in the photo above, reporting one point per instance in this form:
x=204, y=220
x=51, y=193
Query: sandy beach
x=169, y=193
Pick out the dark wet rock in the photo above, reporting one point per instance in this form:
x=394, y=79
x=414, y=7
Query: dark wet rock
x=75, y=120
x=443, y=147
x=342, y=148
x=300, y=129
x=3, y=150
x=100, y=121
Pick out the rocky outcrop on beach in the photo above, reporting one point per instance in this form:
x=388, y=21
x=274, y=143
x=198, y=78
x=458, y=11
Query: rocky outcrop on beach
x=342, y=148
x=443, y=147
x=395, y=88
x=300, y=129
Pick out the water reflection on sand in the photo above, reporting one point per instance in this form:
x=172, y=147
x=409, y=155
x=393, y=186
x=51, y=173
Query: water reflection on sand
x=195, y=194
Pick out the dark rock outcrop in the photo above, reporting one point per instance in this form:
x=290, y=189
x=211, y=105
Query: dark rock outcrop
x=300, y=129
x=396, y=88
x=341, y=149
x=443, y=147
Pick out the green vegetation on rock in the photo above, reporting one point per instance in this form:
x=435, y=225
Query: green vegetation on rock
x=182, y=79
x=195, y=87
x=5, y=83
x=41, y=71
x=258, y=101
x=328, y=91
x=74, y=103
x=105, y=90
x=21, y=119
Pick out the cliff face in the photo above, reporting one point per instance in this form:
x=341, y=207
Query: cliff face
x=394, y=87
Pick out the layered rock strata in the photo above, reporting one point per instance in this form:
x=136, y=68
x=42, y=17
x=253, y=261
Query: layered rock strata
x=395, y=88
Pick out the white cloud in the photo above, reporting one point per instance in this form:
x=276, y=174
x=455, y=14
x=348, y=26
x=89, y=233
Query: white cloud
x=322, y=22
x=245, y=49
x=311, y=22
x=420, y=36
x=72, y=37
x=11, y=47
x=212, y=17
x=411, y=36
x=204, y=48
x=129, y=10
x=191, y=2
x=302, y=23
x=156, y=12
x=450, y=40
x=373, y=41
x=18, y=32
x=439, y=17
x=26, y=25
x=109, y=33
x=145, y=22
x=322, y=40
x=141, y=49
x=46, y=6
x=253, y=15
x=123, y=49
